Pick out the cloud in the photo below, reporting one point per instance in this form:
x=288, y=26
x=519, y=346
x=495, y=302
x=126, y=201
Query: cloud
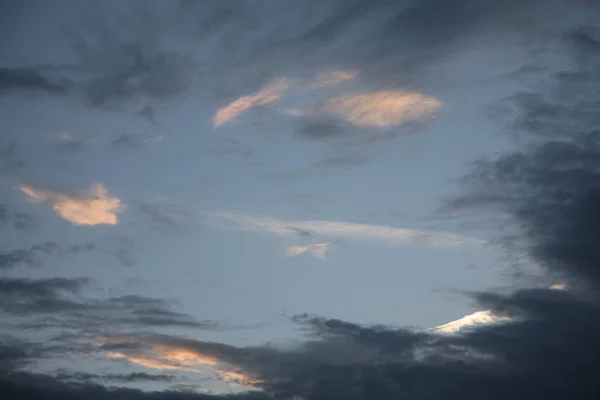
x=267, y=95
x=17, y=220
x=57, y=302
x=334, y=77
x=14, y=80
x=344, y=230
x=94, y=207
x=30, y=257
x=323, y=128
x=383, y=108
x=165, y=215
x=471, y=320
x=317, y=250
x=26, y=386
x=130, y=377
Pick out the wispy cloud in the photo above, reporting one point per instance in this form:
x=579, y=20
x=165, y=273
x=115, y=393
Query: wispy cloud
x=343, y=230
x=383, y=108
x=173, y=356
x=317, y=250
x=267, y=95
x=333, y=77
x=93, y=207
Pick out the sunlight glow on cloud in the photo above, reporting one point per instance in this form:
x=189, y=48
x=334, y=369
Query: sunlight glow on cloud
x=168, y=357
x=317, y=250
x=471, y=320
x=343, y=230
x=480, y=318
x=175, y=357
x=334, y=77
x=383, y=108
x=267, y=95
x=94, y=207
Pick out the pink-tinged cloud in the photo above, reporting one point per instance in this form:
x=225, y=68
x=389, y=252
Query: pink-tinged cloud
x=267, y=95
x=383, y=108
x=334, y=77
x=317, y=250
x=93, y=207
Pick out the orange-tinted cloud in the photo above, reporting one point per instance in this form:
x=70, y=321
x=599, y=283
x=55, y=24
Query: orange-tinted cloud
x=94, y=207
x=318, y=250
x=168, y=357
x=267, y=95
x=383, y=108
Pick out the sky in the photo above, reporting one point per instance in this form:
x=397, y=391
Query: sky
x=299, y=200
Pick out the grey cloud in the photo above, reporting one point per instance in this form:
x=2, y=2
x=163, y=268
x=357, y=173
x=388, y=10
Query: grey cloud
x=16, y=220
x=322, y=130
x=31, y=257
x=130, y=377
x=57, y=302
x=27, y=386
x=548, y=350
x=127, y=140
x=241, y=49
x=14, y=80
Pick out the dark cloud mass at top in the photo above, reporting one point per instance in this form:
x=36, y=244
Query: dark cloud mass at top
x=549, y=191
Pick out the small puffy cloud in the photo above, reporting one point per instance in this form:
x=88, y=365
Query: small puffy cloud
x=93, y=207
x=317, y=250
x=267, y=95
x=383, y=108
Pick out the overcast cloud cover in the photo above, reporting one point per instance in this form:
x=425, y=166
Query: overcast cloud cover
x=342, y=199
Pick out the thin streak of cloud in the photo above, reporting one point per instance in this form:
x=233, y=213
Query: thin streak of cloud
x=317, y=250
x=346, y=230
x=267, y=95
x=383, y=108
x=334, y=77
x=93, y=207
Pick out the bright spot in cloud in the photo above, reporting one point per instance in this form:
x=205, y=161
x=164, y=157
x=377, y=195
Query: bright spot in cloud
x=94, y=207
x=383, y=108
x=471, y=320
x=168, y=357
x=317, y=250
x=334, y=77
x=267, y=95
x=342, y=230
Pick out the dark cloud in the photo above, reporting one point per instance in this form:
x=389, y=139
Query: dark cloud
x=31, y=257
x=57, y=302
x=130, y=377
x=30, y=80
x=548, y=349
x=148, y=113
x=550, y=192
x=26, y=386
x=122, y=58
x=321, y=129
x=16, y=220
x=127, y=141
